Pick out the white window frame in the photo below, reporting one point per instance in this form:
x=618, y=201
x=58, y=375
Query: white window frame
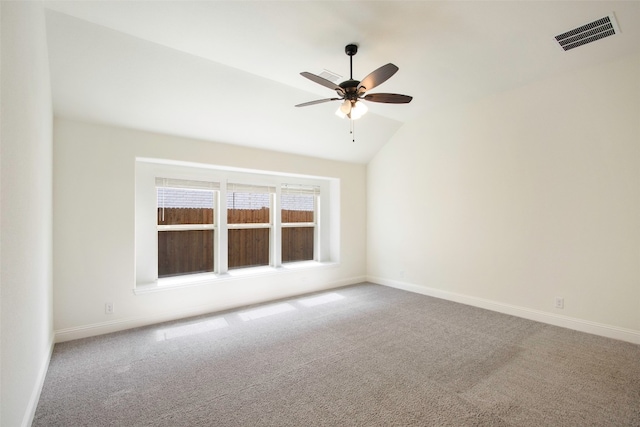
x=306, y=190
x=326, y=221
x=265, y=189
x=213, y=187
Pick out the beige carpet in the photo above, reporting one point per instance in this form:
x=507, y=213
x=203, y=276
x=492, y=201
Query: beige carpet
x=363, y=355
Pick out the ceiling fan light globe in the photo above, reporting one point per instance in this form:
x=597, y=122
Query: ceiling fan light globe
x=359, y=109
x=345, y=108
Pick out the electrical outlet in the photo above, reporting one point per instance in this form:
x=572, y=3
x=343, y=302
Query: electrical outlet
x=559, y=302
x=108, y=308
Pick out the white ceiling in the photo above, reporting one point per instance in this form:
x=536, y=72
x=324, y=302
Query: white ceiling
x=228, y=71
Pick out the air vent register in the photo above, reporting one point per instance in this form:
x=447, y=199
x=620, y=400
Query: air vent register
x=596, y=30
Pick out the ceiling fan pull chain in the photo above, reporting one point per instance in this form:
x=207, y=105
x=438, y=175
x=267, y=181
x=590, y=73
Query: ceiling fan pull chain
x=352, y=130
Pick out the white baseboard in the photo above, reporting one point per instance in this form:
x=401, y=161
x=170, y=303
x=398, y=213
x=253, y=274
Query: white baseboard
x=581, y=325
x=37, y=387
x=85, y=331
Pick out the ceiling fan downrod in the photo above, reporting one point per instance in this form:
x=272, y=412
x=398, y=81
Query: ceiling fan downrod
x=351, y=49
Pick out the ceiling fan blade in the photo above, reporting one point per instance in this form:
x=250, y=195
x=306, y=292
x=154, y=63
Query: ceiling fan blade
x=377, y=77
x=322, y=81
x=319, y=101
x=388, y=98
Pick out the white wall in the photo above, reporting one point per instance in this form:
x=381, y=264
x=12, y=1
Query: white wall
x=512, y=201
x=25, y=211
x=94, y=184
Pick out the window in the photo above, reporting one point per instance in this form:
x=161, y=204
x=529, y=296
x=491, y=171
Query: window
x=249, y=225
x=299, y=212
x=196, y=223
x=186, y=226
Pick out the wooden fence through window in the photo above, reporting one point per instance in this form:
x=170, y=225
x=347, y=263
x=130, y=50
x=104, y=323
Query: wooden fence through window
x=186, y=252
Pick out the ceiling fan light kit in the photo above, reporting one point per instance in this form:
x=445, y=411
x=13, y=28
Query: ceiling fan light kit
x=352, y=92
x=352, y=109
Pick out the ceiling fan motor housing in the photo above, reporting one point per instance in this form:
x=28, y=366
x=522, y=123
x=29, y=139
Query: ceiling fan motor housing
x=350, y=89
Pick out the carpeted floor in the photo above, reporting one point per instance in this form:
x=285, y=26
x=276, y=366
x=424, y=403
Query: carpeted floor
x=364, y=355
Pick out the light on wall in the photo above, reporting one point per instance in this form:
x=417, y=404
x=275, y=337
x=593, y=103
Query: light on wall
x=352, y=109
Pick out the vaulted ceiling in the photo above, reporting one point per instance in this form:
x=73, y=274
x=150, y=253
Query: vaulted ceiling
x=228, y=71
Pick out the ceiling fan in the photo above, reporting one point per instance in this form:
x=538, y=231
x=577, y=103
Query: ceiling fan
x=352, y=92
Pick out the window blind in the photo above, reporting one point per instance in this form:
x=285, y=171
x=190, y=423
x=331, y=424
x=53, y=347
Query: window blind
x=186, y=183
x=293, y=189
x=256, y=189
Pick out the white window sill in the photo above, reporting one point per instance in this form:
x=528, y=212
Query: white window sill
x=207, y=279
